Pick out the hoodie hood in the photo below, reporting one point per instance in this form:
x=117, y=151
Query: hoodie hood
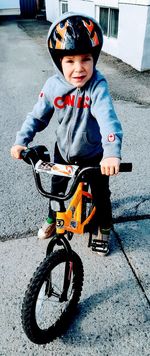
x=74, y=33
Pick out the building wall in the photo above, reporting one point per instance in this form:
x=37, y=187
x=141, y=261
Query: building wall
x=131, y=36
x=133, y=42
x=86, y=7
x=107, y=3
x=8, y=7
x=52, y=9
x=110, y=44
x=135, y=2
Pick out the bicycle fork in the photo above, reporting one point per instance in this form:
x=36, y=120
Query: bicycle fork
x=61, y=240
x=67, y=279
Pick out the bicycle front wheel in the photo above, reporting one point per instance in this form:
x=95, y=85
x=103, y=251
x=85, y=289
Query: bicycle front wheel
x=51, y=296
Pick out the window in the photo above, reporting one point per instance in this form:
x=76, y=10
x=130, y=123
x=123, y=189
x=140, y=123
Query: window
x=113, y=25
x=108, y=19
x=103, y=19
x=63, y=7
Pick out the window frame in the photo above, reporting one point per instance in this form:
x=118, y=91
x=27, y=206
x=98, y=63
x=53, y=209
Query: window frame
x=109, y=35
x=61, y=3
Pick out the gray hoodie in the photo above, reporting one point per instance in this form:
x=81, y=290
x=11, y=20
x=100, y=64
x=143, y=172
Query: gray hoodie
x=87, y=123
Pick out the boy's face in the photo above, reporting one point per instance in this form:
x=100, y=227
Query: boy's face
x=77, y=69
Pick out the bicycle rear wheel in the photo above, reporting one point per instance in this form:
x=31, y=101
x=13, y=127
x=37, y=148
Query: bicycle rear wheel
x=46, y=309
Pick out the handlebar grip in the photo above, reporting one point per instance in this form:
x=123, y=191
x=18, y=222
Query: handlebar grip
x=25, y=155
x=33, y=154
x=125, y=167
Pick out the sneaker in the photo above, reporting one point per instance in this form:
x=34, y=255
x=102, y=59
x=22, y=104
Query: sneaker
x=47, y=230
x=101, y=244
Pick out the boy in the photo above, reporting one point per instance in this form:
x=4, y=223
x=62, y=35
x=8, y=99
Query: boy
x=88, y=130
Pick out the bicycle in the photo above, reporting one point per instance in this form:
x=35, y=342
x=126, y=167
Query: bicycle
x=59, y=277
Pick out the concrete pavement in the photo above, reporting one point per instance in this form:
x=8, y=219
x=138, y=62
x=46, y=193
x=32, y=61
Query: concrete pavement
x=113, y=314
x=113, y=317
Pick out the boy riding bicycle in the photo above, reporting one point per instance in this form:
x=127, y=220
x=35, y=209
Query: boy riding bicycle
x=88, y=131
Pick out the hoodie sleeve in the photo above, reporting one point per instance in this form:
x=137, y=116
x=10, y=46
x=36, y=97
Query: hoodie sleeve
x=37, y=120
x=110, y=127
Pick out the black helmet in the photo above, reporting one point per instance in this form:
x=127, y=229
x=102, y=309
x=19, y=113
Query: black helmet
x=75, y=35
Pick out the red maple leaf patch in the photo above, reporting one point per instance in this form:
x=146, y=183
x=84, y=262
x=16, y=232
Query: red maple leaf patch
x=111, y=137
x=41, y=94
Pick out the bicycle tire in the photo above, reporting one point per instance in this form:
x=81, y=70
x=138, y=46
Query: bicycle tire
x=43, y=275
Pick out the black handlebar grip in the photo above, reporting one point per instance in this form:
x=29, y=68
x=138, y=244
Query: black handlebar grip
x=125, y=167
x=25, y=155
x=33, y=154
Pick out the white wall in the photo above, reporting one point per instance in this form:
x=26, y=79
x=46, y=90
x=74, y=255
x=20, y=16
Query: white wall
x=9, y=4
x=133, y=43
x=131, y=34
x=52, y=9
x=107, y=3
x=135, y=2
x=86, y=7
x=9, y=7
x=110, y=44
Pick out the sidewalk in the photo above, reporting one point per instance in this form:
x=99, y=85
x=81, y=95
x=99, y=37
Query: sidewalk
x=113, y=317
x=113, y=313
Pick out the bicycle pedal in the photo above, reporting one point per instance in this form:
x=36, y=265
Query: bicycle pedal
x=99, y=245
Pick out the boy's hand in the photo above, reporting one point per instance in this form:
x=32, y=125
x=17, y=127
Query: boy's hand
x=16, y=150
x=110, y=166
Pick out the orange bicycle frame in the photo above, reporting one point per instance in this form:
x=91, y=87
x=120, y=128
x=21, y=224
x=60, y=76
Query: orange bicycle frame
x=70, y=220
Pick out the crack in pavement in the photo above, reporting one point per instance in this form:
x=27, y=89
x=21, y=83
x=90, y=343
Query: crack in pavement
x=131, y=266
x=31, y=233
x=123, y=219
x=18, y=236
x=141, y=103
x=143, y=200
x=118, y=220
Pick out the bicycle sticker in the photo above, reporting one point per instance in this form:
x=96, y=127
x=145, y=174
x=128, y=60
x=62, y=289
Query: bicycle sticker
x=59, y=223
x=55, y=168
x=73, y=224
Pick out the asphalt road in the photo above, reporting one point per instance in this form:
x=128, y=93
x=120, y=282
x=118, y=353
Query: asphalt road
x=113, y=317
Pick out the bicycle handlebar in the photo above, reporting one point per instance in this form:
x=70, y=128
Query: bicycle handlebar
x=125, y=167
x=31, y=156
